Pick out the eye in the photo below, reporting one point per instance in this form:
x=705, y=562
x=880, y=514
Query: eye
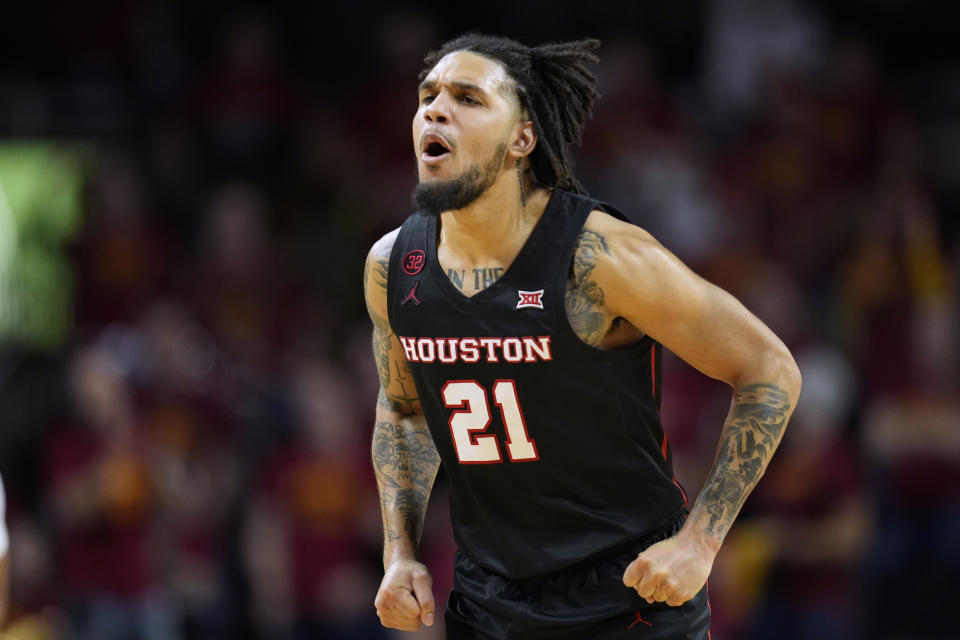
x=428, y=98
x=469, y=100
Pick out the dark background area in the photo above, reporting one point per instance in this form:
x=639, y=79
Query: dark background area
x=186, y=384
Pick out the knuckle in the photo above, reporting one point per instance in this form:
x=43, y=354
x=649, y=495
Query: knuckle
x=423, y=574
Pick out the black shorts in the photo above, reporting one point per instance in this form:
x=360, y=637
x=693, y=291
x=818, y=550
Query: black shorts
x=586, y=601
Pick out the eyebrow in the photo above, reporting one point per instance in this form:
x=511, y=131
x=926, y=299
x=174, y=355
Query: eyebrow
x=431, y=85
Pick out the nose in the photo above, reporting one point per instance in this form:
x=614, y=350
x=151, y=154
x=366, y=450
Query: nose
x=437, y=110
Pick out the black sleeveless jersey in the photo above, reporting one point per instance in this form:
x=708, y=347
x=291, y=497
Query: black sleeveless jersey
x=554, y=449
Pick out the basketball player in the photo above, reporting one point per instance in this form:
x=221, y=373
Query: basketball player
x=518, y=326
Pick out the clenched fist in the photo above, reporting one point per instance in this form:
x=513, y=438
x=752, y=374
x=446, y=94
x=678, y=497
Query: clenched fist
x=672, y=570
x=405, y=597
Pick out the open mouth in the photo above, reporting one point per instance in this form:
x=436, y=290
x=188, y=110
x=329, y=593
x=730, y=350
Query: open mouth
x=435, y=149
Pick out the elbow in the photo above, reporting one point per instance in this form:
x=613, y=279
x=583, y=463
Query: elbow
x=773, y=366
x=787, y=372
x=795, y=379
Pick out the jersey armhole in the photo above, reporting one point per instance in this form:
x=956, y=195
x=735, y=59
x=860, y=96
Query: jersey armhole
x=623, y=353
x=613, y=211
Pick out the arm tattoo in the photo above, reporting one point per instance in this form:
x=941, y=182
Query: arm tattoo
x=752, y=432
x=406, y=402
x=584, y=297
x=405, y=462
x=380, y=271
x=382, y=340
x=412, y=506
x=382, y=334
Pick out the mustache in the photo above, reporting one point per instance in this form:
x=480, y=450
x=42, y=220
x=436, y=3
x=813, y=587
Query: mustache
x=432, y=131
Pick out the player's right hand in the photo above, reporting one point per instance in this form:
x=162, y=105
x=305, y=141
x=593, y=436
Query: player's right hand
x=405, y=597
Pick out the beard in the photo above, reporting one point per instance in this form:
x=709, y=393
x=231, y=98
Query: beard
x=433, y=198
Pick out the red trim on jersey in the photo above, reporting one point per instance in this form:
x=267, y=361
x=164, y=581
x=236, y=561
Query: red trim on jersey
x=663, y=444
x=466, y=407
x=682, y=492
x=663, y=449
x=433, y=350
x=503, y=349
x=530, y=346
x=523, y=423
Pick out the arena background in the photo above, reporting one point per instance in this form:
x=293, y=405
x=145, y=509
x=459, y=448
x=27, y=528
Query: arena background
x=187, y=194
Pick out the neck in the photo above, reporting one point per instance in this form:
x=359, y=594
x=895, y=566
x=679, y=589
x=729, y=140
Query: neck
x=495, y=225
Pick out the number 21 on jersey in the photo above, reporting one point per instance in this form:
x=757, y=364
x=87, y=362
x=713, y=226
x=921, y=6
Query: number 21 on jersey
x=471, y=417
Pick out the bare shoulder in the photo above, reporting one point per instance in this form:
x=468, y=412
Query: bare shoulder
x=607, y=244
x=628, y=252
x=618, y=269
x=382, y=247
x=644, y=281
x=616, y=235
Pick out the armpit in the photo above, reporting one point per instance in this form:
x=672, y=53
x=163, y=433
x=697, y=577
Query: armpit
x=584, y=298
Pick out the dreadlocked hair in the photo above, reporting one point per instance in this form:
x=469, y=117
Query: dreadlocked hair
x=554, y=86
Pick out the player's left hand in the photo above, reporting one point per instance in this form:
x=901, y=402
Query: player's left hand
x=672, y=570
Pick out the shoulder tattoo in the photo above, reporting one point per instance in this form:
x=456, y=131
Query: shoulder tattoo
x=584, y=297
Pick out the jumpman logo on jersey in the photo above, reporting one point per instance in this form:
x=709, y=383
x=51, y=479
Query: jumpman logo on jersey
x=639, y=618
x=412, y=295
x=530, y=299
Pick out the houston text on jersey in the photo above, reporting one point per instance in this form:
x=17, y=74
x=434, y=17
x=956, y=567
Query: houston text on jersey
x=450, y=350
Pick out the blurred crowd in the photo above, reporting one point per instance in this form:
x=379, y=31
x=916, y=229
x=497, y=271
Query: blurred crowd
x=192, y=461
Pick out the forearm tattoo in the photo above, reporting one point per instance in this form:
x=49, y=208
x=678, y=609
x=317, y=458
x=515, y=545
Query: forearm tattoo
x=584, y=297
x=405, y=462
x=750, y=436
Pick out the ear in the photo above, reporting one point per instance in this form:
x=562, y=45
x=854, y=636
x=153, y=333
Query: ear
x=524, y=139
